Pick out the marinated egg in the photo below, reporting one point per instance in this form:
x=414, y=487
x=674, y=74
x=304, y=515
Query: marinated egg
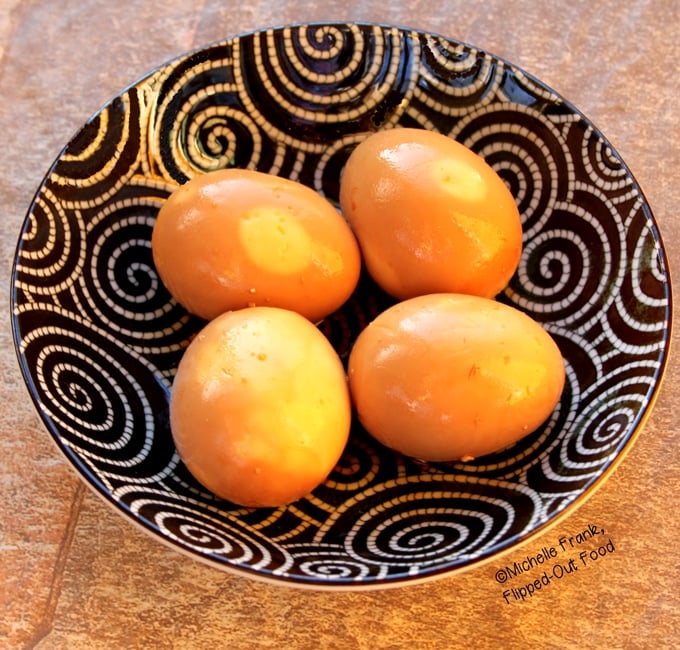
x=260, y=409
x=235, y=238
x=430, y=215
x=449, y=376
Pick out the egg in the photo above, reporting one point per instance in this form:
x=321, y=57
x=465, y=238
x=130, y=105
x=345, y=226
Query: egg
x=260, y=409
x=444, y=377
x=234, y=238
x=430, y=215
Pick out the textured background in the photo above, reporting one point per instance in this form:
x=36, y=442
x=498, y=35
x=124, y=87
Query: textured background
x=73, y=574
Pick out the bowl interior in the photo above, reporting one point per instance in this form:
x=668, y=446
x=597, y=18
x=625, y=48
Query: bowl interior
x=98, y=337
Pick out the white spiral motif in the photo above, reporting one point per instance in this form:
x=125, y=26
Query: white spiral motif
x=199, y=530
x=198, y=125
x=98, y=395
x=454, y=77
x=52, y=255
x=311, y=82
x=409, y=525
x=328, y=563
x=103, y=156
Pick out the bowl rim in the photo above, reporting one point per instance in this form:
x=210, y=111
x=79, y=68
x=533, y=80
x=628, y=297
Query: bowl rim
x=496, y=552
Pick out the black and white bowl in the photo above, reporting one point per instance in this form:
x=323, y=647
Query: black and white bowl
x=98, y=337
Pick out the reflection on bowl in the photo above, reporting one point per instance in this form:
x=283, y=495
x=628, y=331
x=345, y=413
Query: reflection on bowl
x=98, y=337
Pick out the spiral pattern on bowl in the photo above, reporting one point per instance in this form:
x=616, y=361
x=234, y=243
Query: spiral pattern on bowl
x=98, y=337
x=108, y=403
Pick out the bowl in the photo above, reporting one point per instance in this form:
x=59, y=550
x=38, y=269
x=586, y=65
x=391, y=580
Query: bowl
x=98, y=338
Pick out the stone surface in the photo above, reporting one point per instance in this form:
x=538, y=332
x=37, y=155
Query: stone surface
x=74, y=574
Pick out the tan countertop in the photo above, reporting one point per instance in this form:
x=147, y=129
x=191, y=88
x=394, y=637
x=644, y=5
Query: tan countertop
x=74, y=574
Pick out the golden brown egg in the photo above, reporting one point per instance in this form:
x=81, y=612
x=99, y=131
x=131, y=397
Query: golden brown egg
x=449, y=376
x=430, y=215
x=260, y=409
x=235, y=238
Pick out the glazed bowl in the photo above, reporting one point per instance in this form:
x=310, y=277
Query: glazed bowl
x=98, y=337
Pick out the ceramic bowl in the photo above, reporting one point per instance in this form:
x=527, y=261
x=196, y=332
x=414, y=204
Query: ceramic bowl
x=98, y=337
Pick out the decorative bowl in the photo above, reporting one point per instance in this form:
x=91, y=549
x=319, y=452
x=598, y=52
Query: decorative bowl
x=98, y=337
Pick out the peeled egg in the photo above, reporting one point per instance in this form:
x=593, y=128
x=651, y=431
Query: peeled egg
x=260, y=409
x=430, y=215
x=445, y=377
x=234, y=238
